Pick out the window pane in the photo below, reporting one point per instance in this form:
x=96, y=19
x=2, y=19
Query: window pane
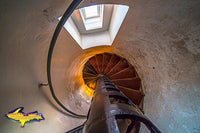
x=91, y=11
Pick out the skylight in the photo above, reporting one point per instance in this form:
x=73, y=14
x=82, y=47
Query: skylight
x=88, y=39
x=91, y=11
x=92, y=16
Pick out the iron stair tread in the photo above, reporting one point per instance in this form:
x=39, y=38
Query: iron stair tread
x=134, y=96
x=90, y=77
x=94, y=63
x=88, y=70
x=122, y=64
x=124, y=73
x=128, y=83
x=87, y=81
x=113, y=61
x=133, y=90
x=106, y=59
x=99, y=58
x=106, y=68
x=126, y=78
x=89, y=66
x=102, y=63
x=113, y=67
x=85, y=74
x=97, y=64
x=121, y=73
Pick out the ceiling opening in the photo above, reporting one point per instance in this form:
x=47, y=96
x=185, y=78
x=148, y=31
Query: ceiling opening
x=91, y=11
x=92, y=16
x=96, y=25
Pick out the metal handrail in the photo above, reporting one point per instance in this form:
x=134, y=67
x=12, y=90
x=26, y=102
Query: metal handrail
x=64, y=18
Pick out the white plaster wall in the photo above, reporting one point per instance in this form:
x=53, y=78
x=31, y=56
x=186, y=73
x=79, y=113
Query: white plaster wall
x=93, y=39
x=118, y=15
x=159, y=38
x=71, y=28
x=163, y=43
x=26, y=31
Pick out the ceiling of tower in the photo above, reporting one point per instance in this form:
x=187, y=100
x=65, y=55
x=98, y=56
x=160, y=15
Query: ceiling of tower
x=107, y=13
x=99, y=30
x=93, y=18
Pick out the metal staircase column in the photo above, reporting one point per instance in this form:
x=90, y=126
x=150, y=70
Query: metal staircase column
x=112, y=112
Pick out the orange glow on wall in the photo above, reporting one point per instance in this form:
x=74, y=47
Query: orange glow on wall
x=88, y=90
x=78, y=65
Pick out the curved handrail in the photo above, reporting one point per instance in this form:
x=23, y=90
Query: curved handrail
x=64, y=18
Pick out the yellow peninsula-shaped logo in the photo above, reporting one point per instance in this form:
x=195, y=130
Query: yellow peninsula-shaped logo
x=22, y=117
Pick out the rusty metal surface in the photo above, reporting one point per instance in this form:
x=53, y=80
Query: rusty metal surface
x=112, y=112
x=119, y=71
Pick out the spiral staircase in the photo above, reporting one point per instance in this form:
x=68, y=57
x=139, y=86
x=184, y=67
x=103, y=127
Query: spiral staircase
x=119, y=71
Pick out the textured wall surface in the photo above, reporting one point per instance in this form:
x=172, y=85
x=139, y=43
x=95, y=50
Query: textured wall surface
x=164, y=45
x=26, y=31
x=160, y=38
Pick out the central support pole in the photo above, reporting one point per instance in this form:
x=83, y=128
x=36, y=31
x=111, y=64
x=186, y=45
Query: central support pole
x=112, y=112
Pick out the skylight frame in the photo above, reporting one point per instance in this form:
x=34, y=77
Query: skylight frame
x=91, y=11
x=86, y=41
x=94, y=22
